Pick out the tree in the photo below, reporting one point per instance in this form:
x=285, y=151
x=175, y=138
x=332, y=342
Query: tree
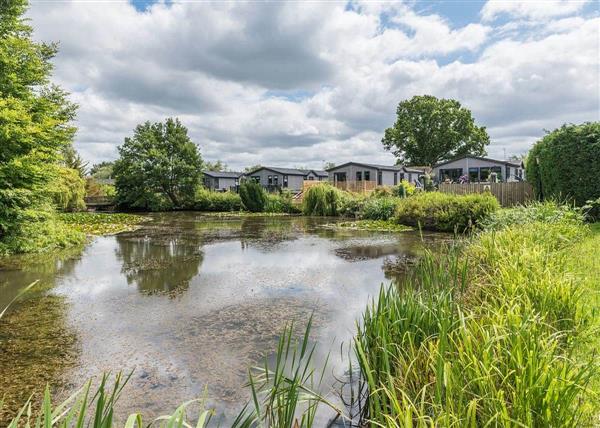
x=159, y=167
x=215, y=166
x=252, y=168
x=35, y=119
x=102, y=170
x=328, y=165
x=72, y=160
x=429, y=130
x=565, y=164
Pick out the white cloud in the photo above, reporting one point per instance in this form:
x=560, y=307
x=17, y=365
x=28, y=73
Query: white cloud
x=300, y=83
x=532, y=9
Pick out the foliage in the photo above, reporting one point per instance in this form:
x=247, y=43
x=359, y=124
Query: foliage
x=565, y=164
x=379, y=208
x=217, y=201
x=482, y=337
x=93, y=188
x=446, y=212
x=35, y=119
x=281, y=203
x=428, y=130
x=549, y=212
x=404, y=189
x=215, y=166
x=71, y=159
x=591, y=210
x=159, y=168
x=252, y=168
x=101, y=223
x=254, y=197
x=67, y=189
x=102, y=170
x=322, y=200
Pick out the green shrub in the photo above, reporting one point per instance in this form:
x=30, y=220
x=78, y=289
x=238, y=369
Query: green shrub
x=446, y=212
x=381, y=208
x=281, y=203
x=253, y=196
x=591, y=210
x=548, y=212
x=322, y=200
x=404, y=189
x=217, y=201
x=565, y=164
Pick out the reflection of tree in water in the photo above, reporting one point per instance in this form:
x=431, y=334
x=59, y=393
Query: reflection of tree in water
x=265, y=233
x=36, y=343
x=160, y=263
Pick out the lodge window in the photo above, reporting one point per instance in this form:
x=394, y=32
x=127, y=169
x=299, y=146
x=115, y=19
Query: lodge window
x=311, y=178
x=270, y=180
x=358, y=175
x=256, y=178
x=484, y=173
x=395, y=178
x=276, y=180
x=379, y=178
x=498, y=171
x=473, y=175
x=452, y=174
x=367, y=175
x=401, y=176
x=285, y=181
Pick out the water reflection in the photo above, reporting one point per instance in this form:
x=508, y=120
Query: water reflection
x=37, y=345
x=238, y=282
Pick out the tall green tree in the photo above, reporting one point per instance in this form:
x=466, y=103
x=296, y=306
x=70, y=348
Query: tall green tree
x=159, y=167
x=429, y=130
x=35, y=124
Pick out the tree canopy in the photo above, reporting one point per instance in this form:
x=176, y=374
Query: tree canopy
x=428, y=130
x=159, y=167
x=35, y=119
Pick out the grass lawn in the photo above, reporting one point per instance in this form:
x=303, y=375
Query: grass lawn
x=101, y=223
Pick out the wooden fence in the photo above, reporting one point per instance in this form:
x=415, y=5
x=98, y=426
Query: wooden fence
x=362, y=186
x=508, y=194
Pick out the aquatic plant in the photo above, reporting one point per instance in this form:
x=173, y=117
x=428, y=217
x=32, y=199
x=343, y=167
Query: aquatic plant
x=101, y=223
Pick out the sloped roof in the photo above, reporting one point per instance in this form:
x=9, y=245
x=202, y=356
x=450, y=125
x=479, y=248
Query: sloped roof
x=377, y=166
x=515, y=164
x=223, y=174
x=290, y=171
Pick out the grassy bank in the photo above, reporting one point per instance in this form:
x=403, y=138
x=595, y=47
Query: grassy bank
x=494, y=334
x=101, y=223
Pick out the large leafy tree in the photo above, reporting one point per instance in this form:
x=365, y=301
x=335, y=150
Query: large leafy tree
x=35, y=124
x=429, y=130
x=159, y=167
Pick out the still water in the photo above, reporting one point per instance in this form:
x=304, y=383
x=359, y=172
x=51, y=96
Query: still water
x=189, y=302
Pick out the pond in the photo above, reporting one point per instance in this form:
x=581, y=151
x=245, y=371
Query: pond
x=190, y=302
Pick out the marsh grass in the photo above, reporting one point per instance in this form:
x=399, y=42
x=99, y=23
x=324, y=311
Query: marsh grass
x=484, y=336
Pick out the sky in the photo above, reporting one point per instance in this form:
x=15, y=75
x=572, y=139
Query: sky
x=298, y=84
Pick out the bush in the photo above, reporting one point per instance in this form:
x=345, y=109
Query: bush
x=253, y=196
x=404, y=189
x=281, y=203
x=565, y=164
x=322, y=200
x=217, y=201
x=381, y=208
x=548, y=212
x=591, y=210
x=446, y=212
x=93, y=188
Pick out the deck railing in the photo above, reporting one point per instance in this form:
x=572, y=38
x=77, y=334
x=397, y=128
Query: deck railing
x=508, y=194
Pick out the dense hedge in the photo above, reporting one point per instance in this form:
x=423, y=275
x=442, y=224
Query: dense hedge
x=565, y=164
x=217, y=201
x=445, y=212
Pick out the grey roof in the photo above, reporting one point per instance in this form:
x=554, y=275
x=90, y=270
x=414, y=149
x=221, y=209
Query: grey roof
x=223, y=174
x=376, y=166
x=518, y=165
x=290, y=171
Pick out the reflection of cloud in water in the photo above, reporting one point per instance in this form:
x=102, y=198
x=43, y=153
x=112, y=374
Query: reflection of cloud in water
x=244, y=279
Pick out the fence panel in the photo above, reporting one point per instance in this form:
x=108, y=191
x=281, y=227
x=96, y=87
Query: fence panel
x=508, y=194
